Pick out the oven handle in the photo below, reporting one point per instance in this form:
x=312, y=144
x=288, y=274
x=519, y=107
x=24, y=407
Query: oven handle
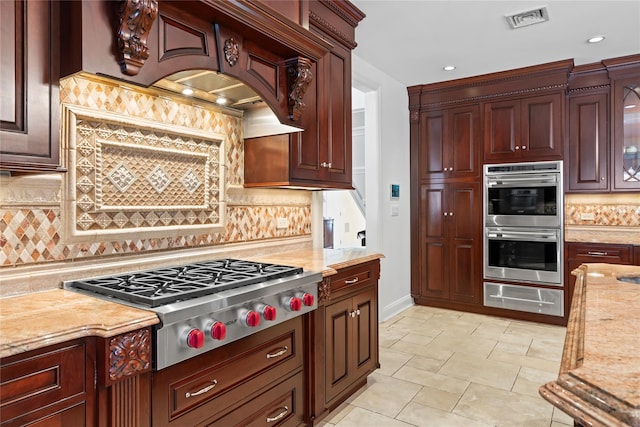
x=535, y=236
x=529, y=180
x=522, y=299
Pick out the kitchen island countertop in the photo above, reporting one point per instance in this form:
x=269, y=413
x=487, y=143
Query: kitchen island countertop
x=599, y=379
x=34, y=320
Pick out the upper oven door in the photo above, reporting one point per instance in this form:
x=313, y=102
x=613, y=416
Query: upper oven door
x=523, y=200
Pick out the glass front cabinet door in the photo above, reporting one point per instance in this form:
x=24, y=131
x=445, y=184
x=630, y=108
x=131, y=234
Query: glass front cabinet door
x=626, y=134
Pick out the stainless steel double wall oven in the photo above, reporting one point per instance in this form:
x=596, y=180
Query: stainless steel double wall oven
x=523, y=237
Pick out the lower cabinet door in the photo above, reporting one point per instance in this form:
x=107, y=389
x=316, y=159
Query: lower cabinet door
x=337, y=347
x=365, y=351
x=74, y=416
x=281, y=405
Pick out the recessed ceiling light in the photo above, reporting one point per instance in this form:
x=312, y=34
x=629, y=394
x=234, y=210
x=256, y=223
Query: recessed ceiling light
x=595, y=39
x=221, y=100
x=449, y=67
x=187, y=91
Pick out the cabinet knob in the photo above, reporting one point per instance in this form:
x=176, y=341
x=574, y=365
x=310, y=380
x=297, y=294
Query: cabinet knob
x=450, y=213
x=446, y=214
x=517, y=147
x=524, y=147
x=325, y=165
x=602, y=178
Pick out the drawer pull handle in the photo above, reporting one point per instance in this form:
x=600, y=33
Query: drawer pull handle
x=202, y=391
x=351, y=282
x=597, y=253
x=285, y=411
x=278, y=353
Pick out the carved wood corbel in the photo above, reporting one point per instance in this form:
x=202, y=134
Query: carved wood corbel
x=129, y=354
x=136, y=18
x=299, y=77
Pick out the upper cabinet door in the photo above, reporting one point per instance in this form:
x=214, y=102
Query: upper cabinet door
x=542, y=124
x=526, y=129
x=502, y=130
x=450, y=143
x=29, y=122
x=626, y=134
x=587, y=153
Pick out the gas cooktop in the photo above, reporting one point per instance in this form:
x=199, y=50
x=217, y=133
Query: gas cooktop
x=154, y=288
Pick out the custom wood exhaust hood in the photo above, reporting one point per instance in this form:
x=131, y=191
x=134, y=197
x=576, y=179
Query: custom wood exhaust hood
x=142, y=41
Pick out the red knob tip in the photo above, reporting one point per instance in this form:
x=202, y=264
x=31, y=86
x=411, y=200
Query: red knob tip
x=295, y=304
x=308, y=300
x=218, y=331
x=269, y=312
x=195, y=338
x=253, y=319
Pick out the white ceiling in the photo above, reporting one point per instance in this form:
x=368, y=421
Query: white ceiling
x=411, y=40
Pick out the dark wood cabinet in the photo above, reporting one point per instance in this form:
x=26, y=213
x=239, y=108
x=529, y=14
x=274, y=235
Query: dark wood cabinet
x=524, y=129
x=52, y=386
x=321, y=155
x=450, y=234
x=588, y=150
x=625, y=153
x=29, y=106
x=255, y=377
x=343, y=337
x=578, y=253
x=449, y=143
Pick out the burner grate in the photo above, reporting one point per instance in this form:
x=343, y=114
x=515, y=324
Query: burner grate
x=154, y=288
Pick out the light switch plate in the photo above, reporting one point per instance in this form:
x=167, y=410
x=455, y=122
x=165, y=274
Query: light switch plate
x=587, y=216
x=282, y=223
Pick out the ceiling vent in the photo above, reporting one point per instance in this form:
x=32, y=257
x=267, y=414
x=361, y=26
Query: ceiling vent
x=529, y=17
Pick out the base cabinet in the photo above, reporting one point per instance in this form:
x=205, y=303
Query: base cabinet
x=257, y=380
x=344, y=342
x=48, y=387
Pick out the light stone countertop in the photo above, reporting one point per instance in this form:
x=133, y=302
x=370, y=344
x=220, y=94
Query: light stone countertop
x=598, y=234
x=599, y=379
x=37, y=319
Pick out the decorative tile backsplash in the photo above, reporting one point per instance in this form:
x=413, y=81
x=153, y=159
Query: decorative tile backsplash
x=605, y=210
x=140, y=199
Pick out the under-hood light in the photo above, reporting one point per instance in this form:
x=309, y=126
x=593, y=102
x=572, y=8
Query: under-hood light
x=221, y=100
x=187, y=91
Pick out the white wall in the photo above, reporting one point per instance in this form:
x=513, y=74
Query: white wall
x=387, y=162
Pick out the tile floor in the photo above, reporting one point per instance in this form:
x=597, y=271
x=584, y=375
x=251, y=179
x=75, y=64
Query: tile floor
x=445, y=368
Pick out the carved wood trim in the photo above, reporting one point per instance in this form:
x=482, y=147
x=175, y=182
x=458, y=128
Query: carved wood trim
x=326, y=25
x=231, y=51
x=414, y=116
x=299, y=77
x=136, y=18
x=129, y=354
x=324, y=289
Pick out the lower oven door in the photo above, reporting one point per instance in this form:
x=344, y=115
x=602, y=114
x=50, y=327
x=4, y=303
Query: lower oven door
x=523, y=254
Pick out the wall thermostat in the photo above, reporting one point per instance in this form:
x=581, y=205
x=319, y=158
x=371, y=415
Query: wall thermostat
x=395, y=191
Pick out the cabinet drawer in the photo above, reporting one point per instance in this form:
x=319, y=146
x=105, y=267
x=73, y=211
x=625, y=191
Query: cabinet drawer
x=616, y=254
x=41, y=380
x=210, y=383
x=280, y=406
x=354, y=277
x=203, y=387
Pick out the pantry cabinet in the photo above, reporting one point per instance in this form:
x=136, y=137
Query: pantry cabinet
x=343, y=337
x=451, y=235
x=449, y=143
x=29, y=106
x=524, y=129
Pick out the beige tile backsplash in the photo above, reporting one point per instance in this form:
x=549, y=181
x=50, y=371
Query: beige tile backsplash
x=35, y=211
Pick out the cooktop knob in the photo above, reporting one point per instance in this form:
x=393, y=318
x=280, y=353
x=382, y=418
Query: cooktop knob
x=195, y=338
x=269, y=312
x=218, y=330
x=308, y=299
x=250, y=318
x=294, y=304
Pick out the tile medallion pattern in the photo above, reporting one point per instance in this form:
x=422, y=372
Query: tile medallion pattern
x=127, y=178
x=135, y=178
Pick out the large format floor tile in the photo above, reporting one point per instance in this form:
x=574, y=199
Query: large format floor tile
x=446, y=368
